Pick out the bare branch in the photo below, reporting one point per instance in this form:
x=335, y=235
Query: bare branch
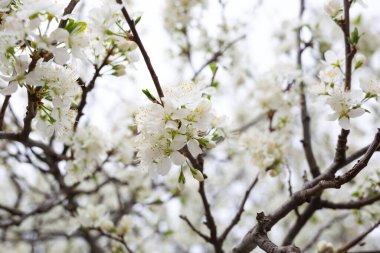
x=321, y=230
x=216, y=55
x=358, y=239
x=352, y=204
x=90, y=86
x=249, y=241
x=205, y=237
x=236, y=219
x=253, y=122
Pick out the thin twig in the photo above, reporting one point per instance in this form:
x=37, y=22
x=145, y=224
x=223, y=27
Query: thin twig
x=139, y=43
x=3, y=109
x=237, y=216
x=352, y=204
x=216, y=55
x=251, y=123
x=321, y=230
x=358, y=239
x=205, y=237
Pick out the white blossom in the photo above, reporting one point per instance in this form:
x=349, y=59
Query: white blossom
x=370, y=86
x=92, y=216
x=333, y=7
x=346, y=105
x=184, y=120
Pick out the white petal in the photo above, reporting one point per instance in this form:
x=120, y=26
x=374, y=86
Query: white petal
x=180, y=113
x=364, y=84
x=171, y=124
x=134, y=56
x=194, y=148
x=177, y=158
x=60, y=35
x=178, y=142
x=344, y=122
x=356, y=112
x=333, y=116
x=181, y=186
x=164, y=166
x=330, y=57
x=10, y=89
x=61, y=56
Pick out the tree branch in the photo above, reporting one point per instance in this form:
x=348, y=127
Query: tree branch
x=3, y=109
x=357, y=240
x=139, y=43
x=205, y=237
x=321, y=230
x=236, y=219
x=352, y=204
x=249, y=241
x=68, y=10
x=216, y=55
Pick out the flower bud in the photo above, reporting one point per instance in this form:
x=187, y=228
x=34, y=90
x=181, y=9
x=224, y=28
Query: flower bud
x=325, y=247
x=107, y=225
x=359, y=60
x=197, y=175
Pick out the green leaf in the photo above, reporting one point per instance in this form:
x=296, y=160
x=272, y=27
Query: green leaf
x=70, y=26
x=213, y=67
x=181, y=178
x=137, y=20
x=75, y=27
x=150, y=96
x=358, y=19
x=355, y=36
x=215, y=84
x=35, y=15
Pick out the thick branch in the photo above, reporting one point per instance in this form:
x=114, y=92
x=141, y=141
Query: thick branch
x=268, y=246
x=249, y=241
x=301, y=220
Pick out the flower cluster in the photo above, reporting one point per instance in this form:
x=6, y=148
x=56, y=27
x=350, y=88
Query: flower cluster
x=334, y=8
x=88, y=148
x=57, y=88
x=34, y=57
x=345, y=103
x=265, y=149
x=182, y=126
x=107, y=31
x=96, y=217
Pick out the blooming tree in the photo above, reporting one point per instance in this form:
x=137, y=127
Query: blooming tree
x=226, y=159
